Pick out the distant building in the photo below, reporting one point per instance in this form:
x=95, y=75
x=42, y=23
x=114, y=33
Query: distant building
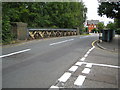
x=92, y=24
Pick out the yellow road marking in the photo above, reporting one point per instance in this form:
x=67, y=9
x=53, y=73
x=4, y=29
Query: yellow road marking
x=102, y=49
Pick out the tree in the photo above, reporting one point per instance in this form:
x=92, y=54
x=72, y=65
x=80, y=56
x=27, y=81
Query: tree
x=86, y=29
x=111, y=10
x=111, y=26
x=42, y=15
x=95, y=30
x=100, y=26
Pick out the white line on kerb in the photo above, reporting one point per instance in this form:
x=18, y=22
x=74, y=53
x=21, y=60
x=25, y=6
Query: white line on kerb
x=14, y=53
x=61, y=42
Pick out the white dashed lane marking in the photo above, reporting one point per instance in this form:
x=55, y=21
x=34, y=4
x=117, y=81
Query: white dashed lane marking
x=85, y=55
x=54, y=87
x=64, y=77
x=79, y=63
x=73, y=68
x=79, y=81
x=89, y=65
x=86, y=70
x=82, y=59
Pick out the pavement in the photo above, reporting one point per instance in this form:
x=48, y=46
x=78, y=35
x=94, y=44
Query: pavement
x=110, y=46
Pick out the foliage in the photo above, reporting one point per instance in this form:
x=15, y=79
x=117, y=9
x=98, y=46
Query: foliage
x=118, y=31
x=6, y=34
x=95, y=30
x=42, y=15
x=111, y=10
x=111, y=26
x=100, y=26
x=85, y=29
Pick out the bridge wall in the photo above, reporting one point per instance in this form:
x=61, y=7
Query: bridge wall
x=21, y=32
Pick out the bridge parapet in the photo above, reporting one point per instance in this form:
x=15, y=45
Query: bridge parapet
x=21, y=32
x=46, y=33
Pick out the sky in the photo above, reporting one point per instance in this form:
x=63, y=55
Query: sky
x=92, y=14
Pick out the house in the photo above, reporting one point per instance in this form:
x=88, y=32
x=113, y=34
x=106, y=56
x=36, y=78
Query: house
x=92, y=24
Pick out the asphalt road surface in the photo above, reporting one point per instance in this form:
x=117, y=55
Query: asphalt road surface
x=39, y=63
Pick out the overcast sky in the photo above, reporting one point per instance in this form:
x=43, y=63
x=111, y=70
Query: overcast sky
x=92, y=6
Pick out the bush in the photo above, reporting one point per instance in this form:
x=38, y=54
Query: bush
x=118, y=31
x=95, y=30
x=6, y=34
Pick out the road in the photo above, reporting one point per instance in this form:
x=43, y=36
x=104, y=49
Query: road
x=39, y=63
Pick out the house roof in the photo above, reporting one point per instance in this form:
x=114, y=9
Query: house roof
x=92, y=21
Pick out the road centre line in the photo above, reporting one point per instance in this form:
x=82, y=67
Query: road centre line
x=61, y=42
x=15, y=53
x=84, y=36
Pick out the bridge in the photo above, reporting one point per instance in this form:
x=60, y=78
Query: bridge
x=46, y=33
x=22, y=32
